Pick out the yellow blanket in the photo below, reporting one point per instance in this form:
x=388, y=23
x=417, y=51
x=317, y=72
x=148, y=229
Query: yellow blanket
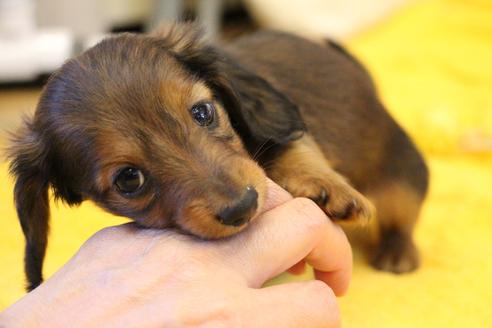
x=432, y=63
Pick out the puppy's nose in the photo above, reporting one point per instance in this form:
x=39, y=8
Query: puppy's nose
x=240, y=212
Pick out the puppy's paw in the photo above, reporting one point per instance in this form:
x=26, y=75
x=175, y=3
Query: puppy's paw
x=396, y=253
x=338, y=199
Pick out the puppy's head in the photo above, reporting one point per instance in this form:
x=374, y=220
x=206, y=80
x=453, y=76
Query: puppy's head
x=128, y=126
x=151, y=128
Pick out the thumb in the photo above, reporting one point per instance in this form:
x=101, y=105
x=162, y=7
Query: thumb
x=302, y=304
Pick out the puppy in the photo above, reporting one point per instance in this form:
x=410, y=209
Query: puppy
x=172, y=131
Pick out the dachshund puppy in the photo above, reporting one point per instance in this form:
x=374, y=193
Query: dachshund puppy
x=171, y=131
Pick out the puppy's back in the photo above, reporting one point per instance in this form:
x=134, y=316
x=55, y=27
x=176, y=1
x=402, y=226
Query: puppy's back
x=335, y=94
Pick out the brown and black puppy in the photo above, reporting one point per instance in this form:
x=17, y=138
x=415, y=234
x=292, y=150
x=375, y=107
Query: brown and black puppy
x=174, y=132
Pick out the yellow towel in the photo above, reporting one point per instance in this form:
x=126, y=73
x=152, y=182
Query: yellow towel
x=432, y=64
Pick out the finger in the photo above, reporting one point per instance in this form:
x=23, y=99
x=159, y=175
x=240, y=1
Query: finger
x=275, y=196
x=306, y=304
x=284, y=236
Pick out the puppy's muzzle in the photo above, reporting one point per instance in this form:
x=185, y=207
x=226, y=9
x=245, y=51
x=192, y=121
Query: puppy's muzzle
x=241, y=211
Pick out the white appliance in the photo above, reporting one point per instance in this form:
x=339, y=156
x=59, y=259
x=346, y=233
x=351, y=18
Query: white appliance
x=25, y=50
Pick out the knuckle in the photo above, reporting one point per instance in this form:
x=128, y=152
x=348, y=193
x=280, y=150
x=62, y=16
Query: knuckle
x=104, y=233
x=100, y=236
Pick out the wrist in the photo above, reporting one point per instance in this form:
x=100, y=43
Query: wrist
x=23, y=313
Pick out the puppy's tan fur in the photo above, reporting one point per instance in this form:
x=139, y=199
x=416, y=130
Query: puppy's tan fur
x=316, y=179
x=305, y=113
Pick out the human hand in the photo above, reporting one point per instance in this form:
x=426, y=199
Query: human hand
x=124, y=276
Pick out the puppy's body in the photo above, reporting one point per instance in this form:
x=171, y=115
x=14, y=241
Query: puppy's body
x=357, y=136
x=153, y=128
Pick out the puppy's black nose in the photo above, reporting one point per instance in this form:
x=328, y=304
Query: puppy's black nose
x=240, y=212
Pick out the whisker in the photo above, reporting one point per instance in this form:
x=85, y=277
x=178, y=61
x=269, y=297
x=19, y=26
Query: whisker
x=265, y=149
x=257, y=152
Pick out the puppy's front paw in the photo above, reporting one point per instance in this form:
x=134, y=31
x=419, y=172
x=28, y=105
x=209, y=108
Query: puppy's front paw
x=338, y=199
x=395, y=253
x=342, y=202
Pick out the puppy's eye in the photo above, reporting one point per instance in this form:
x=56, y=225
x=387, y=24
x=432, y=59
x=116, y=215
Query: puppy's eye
x=203, y=113
x=129, y=180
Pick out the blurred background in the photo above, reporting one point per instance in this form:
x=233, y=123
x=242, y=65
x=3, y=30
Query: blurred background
x=431, y=61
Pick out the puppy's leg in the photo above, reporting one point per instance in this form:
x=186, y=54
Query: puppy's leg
x=303, y=170
x=398, y=193
x=398, y=205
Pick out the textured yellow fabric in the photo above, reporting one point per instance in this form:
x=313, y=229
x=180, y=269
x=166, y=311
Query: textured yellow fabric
x=432, y=65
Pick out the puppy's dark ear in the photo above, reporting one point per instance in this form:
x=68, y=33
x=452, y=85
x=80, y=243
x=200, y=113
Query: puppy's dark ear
x=28, y=167
x=34, y=172
x=258, y=111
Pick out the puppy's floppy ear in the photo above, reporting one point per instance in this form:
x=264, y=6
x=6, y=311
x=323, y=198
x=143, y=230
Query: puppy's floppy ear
x=256, y=108
x=28, y=166
x=33, y=169
x=258, y=111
